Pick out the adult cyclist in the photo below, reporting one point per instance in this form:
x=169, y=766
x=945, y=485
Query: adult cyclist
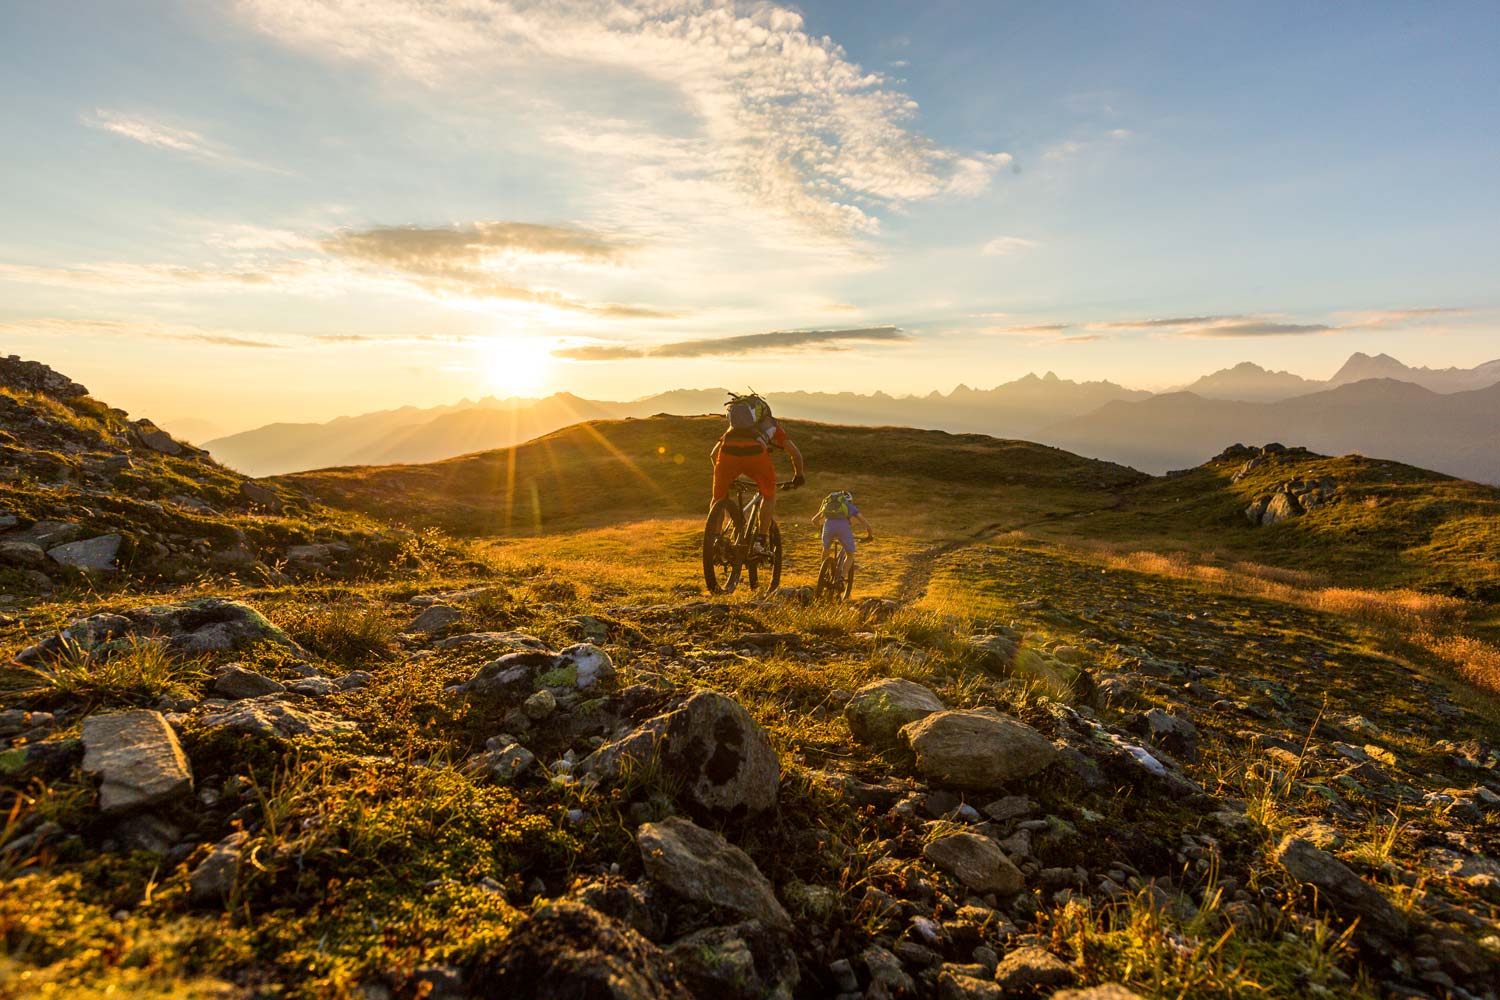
x=837, y=516
x=745, y=450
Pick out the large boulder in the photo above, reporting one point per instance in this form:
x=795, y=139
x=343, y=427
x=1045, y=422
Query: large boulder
x=703, y=867
x=151, y=436
x=137, y=759
x=567, y=951
x=1337, y=883
x=878, y=710
x=979, y=749
x=1029, y=969
x=95, y=555
x=976, y=861
x=199, y=625
x=276, y=719
x=722, y=759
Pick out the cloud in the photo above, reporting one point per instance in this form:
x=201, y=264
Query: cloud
x=779, y=116
x=752, y=343
x=1149, y=324
x=1002, y=246
x=1081, y=338
x=470, y=244
x=1036, y=328
x=57, y=327
x=1258, y=329
x=162, y=136
x=1425, y=316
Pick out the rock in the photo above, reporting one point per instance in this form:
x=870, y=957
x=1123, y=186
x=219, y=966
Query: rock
x=975, y=861
x=514, y=642
x=1282, y=507
x=435, y=619
x=18, y=552
x=235, y=681
x=262, y=496
x=747, y=961
x=957, y=983
x=153, y=437
x=1176, y=734
x=567, y=951
x=630, y=904
x=316, y=687
x=993, y=652
x=1109, y=991
x=146, y=832
x=979, y=749
x=48, y=534
x=200, y=625
x=137, y=758
x=878, y=710
x=540, y=705
x=710, y=745
x=703, y=867
x=33, y=376
x=1009, y=807
x=509, y=676
x=589, y=627
x=876, y=609
x=885, y=972
x=1337, y=883
x=768, y=640
x=508, y=763
x=579, y=666
x=1028, y=969
x=216, y=875
x=275, y=719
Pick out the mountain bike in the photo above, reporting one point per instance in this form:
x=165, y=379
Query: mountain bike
x=836, y=574
x=729, y=537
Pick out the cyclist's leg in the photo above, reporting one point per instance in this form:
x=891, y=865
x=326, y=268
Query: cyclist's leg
x=725, y=472
x=761, y=469
x=844, y=532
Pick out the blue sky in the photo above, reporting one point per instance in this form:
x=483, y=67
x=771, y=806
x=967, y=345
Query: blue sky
x=279, y=209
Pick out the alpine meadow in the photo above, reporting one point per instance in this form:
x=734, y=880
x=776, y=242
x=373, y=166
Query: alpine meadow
x=727, y=500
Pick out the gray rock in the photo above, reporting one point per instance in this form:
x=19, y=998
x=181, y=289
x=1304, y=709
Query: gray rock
x=212, y=882
x=877, y=711
x=316, y=687
x=262, y=496
x=567, y=950
x=886, y=972
x=747, y=961
x=275, y=719
x=146, y=832
x=153, y=437
x=1281, y=507
x=514, y=642
x=206, y=624
x=508, y=763
x=540, y=705
x=235, y=681
x=580, y=666
x=1109, y=991
x=722, y=759
x=435, y=619
x=978, y=749
x=1336, y=882
x=959, y=983
x=976, y=861
x=47, y=534
x=33, y=376
x=702, y=866
x=18, y=552
x=1028, y=969
x=137, y=759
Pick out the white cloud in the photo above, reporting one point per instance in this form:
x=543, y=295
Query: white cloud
x=1004, y=246
x=777, y=117
x=162, y=136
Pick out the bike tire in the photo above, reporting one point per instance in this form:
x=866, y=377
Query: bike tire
x=849, y=583
x=774, y=539
x=828, y=576
x=724, y=527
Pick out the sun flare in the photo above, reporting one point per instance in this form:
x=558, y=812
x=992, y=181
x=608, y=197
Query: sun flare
x=515, y=366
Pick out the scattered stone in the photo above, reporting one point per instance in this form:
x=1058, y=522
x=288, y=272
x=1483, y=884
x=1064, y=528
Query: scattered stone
x=579, y=666
x=515, y=642
x=567, y=950
x=146, y=832
x=276, y=719
x=975, y=861
x=236, y=681
x=137, y=758
x=200, y=625
x=1335, y=881
x=33, y=376
x=877, y=711
x=508, y=763
x=95, y=555
x=435, y=619
x=747, y=961
x=959, y=982
x=540, y=705
x=216, y=875
x=702, y=866
x=1009, y=807
x=710, y=744
x=262, y=496
x=768, y=640
x=979, y=749
x=19, y=552
x=886, y=972
x=1028, y=969
x=153, y=437
x=1109, y=991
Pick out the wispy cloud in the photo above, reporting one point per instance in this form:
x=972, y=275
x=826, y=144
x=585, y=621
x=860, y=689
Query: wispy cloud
x=752, y=343
x=782, y=117
x=1151, y=324
x=143, y=329
x=1003, y=246
x=1255, y=328
x=160, y=135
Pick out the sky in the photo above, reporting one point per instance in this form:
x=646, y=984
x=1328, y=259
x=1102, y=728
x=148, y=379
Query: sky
x=257, y=210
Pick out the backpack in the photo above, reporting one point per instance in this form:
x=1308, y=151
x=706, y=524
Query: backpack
x=836, y=506
x=750, y=421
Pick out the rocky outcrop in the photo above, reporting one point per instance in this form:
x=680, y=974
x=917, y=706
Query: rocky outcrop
x=567, y=951
x=137, y=759
x=275, y=719
x=95, y=555
x=33, y=376
x=878, y=710
x=979, y=749
x=199, y=625
x=710, y=746
x=703, y=867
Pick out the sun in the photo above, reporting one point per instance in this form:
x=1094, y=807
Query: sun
x=516, y=366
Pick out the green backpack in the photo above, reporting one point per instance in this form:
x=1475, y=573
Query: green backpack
x=836, y=506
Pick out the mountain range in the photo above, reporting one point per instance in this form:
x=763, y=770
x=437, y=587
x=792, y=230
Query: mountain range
x=1443, y=419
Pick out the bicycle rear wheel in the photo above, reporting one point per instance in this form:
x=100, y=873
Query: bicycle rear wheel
x=847, y=566
x=829, y=584
x=771, y=562
x=723, y=557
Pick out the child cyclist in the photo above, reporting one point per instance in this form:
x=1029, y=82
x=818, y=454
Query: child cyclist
x=837, y=515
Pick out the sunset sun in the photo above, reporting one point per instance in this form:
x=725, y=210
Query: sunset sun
x=514, y=366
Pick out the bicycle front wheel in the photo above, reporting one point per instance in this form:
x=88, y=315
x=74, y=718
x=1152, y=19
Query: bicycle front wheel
x=723, y=557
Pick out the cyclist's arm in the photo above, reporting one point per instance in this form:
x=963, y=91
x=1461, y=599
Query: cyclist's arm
x=796, y=456
x=818, y=518
x=863, y=523
x=713, y=454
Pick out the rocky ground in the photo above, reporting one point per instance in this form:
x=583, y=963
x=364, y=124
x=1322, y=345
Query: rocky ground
x=1024, y=773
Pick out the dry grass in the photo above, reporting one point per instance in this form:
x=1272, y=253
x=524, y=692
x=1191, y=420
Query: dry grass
x=1476, y=661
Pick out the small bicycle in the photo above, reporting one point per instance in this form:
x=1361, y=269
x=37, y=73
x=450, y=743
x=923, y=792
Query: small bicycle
x=836, y=574
x=729, y=541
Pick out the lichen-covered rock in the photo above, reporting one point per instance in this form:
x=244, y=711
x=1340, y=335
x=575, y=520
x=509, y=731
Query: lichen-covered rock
x=137, y=759
x=722, y=759
x=976, y=861
x=1337, y=882
x=435, y=619
x=199, y=625
x=979, y=749
x=747, y=961
x=94, y=555
x=33, y=376
x=276, y=719
x=878, y=710
x=237, y=681
x=702, y=866
x=567, y=951
x=215, y=877
x=1028, y=969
